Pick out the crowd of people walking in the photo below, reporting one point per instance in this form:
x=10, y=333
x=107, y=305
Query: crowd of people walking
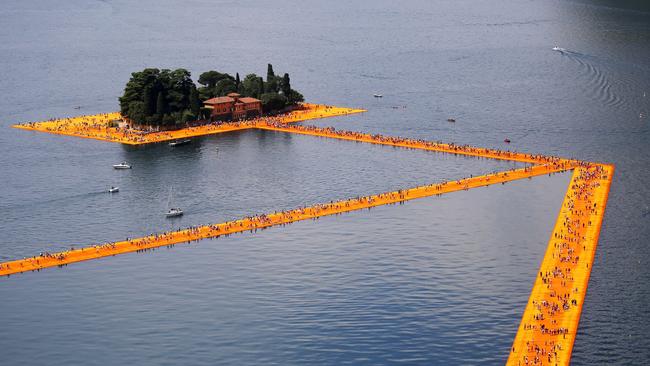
x=554, y=306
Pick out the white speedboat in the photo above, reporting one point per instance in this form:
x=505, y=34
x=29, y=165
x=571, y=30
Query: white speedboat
x=559, y=49
x=113, y=189
x=122, y=165
x=377, y=95
x=179, y=143
x=173, y=212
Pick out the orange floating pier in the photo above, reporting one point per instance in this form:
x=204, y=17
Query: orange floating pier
x=104, y=126
x=550, y=322
x=46, y=260
x=414, y=144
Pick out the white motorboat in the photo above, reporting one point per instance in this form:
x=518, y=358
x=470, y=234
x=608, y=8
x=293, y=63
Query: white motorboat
x=174, y=211
x=559, y=49
x=179, y=143
x=113, y=189
x=377, y=95
x=122, y=165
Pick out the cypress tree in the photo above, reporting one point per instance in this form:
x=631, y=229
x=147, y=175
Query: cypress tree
x=237, y=81
x=286, y=85
x=269, y=73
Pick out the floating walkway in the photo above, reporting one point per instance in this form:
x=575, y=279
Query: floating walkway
x=466, y=150
x=46, y=260
x=102, y=126
x=550, y=322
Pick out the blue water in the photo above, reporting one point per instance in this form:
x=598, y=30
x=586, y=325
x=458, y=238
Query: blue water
x=434, y=281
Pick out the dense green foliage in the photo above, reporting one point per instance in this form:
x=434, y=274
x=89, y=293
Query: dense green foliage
x=170, y=97
x=160, y=97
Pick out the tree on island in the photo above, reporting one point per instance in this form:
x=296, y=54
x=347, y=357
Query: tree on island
x=195, y=102
x=158, y=97
x=170, y=98
x=216, y=84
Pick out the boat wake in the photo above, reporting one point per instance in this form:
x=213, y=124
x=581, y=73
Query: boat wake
x=68, y=200
x=598, y=85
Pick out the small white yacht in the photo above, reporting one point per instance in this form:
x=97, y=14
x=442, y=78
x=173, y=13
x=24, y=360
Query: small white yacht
x=174, y=211
x=113, y=189
x=122, y=165
x=377, y=95
x=559, y=49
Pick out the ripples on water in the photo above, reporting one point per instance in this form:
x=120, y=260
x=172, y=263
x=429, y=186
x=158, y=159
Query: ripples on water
x=599, y=84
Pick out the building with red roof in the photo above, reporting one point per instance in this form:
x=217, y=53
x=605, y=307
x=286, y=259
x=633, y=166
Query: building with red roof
x=233, y=107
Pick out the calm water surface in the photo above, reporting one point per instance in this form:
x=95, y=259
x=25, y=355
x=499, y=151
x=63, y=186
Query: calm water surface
x=435, y=281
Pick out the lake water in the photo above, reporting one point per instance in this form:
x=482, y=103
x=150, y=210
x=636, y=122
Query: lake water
x=434, y=281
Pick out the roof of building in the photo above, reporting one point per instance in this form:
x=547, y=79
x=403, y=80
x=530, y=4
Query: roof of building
x=221, y=100
x=249, y=100
x=233, y=95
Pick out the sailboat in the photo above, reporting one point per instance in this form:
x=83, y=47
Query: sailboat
x=173, y=211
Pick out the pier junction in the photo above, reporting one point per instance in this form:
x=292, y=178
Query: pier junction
x=550, y=321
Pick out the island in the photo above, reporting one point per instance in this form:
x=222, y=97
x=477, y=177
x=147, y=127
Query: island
x=164, y=105
x=168, y=99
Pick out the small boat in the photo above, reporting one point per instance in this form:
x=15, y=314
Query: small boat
x=173, y=211
x=507, y=141
x=451, y=120
x=77, y=107
x=122, y=165
x=179, y=143
x=377, y=95
x=113, y=189
x=559, y=49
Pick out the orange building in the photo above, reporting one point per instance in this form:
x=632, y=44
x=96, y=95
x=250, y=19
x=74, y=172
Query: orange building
x=233, y=107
